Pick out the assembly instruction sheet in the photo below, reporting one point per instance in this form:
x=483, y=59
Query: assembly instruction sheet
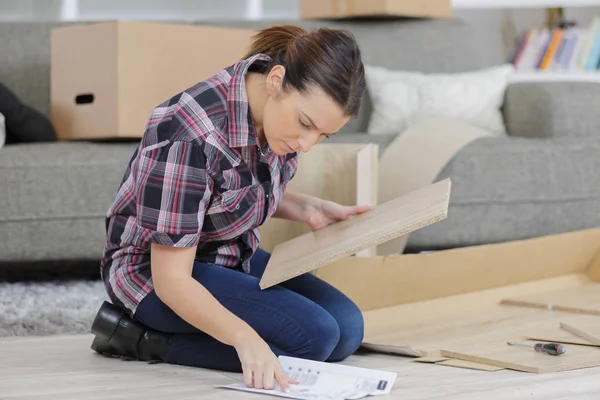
x=326, y=381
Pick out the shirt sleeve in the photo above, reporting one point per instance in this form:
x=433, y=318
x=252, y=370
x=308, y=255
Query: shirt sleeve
x=173, y=191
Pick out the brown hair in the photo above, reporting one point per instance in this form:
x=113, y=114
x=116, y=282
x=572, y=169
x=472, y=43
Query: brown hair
x=325, y=57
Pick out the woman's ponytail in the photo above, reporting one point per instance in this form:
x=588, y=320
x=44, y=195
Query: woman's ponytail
x=274, y=41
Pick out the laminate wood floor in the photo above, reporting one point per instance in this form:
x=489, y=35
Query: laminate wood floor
x=64, y=367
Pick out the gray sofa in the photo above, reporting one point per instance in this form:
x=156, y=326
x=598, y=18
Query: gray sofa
x=542, y=179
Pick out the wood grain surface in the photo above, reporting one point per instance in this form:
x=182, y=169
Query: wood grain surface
x=392, y=219
x=524, y=359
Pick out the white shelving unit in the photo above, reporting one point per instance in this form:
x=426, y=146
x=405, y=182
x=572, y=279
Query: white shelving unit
x=550, y=76
x=536, y=76
x=488, y=4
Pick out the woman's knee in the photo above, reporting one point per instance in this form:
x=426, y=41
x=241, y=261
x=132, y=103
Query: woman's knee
x=352, y=327
x=322, y=335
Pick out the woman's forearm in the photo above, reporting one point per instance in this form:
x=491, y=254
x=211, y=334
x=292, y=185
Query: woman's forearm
x=174, y=285
x=294, y=207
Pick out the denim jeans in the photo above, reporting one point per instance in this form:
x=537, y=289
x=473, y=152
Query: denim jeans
x=303, y=317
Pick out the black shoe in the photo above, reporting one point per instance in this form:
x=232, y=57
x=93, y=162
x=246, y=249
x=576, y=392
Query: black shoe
x=118, y=335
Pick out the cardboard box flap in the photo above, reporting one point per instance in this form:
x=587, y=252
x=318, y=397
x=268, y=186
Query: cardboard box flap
x=445, y=300
x=381, y=282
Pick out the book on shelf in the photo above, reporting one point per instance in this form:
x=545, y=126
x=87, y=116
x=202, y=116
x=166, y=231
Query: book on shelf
x=567, y=47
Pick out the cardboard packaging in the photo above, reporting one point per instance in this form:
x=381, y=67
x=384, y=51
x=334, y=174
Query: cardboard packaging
x=341, y=9
x=107, y=77
x=466, y=303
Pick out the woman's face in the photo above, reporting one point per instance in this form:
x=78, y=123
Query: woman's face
x=295, y=122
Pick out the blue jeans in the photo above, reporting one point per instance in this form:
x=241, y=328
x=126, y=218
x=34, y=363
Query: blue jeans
x=303, y=317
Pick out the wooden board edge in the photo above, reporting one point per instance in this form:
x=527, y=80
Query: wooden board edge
x=367, y=184
x=404, y=351
x=488, y=361
x=549, y=307
x=544, y=338
x=431, y=359
x=470, y=365
x=594, y=340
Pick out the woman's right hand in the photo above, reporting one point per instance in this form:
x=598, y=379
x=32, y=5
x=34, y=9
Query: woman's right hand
x=260, y=366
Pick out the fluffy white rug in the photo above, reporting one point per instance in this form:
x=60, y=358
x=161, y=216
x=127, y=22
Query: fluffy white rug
x=49, y=308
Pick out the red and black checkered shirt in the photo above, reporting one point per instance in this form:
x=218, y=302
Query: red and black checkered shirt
x=198, y=178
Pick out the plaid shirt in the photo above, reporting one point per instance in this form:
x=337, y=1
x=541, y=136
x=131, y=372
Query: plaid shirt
x=199, y=177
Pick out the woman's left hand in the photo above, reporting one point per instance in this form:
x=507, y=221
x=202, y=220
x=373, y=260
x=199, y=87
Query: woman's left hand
x=322, y=213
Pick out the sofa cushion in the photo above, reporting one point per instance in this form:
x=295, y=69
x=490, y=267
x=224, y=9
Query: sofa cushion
x=516, y=188
x=552, y=109
x=60, y=180
x=55, y=187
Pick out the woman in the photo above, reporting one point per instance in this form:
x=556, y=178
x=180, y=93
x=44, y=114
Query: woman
x=182, y=263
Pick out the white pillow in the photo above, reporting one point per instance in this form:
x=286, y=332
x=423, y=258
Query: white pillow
x=2, y=131
x=402, y=98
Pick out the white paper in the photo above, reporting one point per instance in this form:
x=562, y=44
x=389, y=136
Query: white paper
x=326, y=381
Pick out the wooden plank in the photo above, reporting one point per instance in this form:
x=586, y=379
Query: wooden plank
x=386, y=221
x=582, y=300
x=470, y=365
x=329, y=172
x=582, y=333
x=524, y=359
x=555, y=333
x=366, y=184
x=431, y=359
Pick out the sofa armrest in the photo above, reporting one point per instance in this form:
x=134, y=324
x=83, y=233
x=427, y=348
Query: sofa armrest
x=552, y=109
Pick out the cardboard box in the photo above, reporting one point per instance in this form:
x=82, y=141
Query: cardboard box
x=341, y=9
x=107, y=77
x=446, y=302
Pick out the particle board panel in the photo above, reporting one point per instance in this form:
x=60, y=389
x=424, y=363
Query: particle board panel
x=339, y=172
x=389, y=220
x=519, y=358
x=584, y=299
x=367, y=184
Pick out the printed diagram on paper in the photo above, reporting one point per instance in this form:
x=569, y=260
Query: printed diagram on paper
x=325, y=381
